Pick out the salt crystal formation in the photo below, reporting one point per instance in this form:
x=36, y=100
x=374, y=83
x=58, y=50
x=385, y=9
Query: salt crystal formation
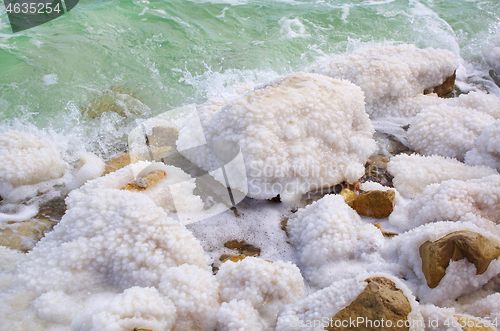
x=122, y=259
x=299, y=133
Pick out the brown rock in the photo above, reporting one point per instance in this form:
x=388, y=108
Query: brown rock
x=120, y=162
x=447, y=87
x=145, y=181
x=389, y=234
x=243, y=248
x=117, y=99
x=380, y=299
x=53, y=209
x=376, y=168
x=378, y=204
x=348, y=195
x=233, y=258
x=23, y=236
x=455, y=246
x=471, y=324
x=162, y=136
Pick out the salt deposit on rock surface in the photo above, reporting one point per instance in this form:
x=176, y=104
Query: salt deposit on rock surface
x=141, y=247
x=299, y=133
x=392, y=76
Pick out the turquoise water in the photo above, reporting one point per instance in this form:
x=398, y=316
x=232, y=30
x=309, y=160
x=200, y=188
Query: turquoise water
x=169, y=53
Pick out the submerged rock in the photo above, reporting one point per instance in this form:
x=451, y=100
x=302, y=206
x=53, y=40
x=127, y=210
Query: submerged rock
x=455, y=246
x=120, y=162
x=243, y=248
x=380, y=301
x=23, y=236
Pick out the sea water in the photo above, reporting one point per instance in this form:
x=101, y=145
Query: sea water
x=167, y=54
x=170, y=53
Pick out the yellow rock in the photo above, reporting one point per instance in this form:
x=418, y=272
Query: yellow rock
x=377, y=204
x=445, y=88
x=455, y=246
x=348, y=195
x=380, y=300
x=120, y=162
x=23, y=236
x=233, y=258
x=243, y=248
x=147, y=181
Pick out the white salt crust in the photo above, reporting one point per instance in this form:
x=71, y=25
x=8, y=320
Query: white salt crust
x=282, y=154
x=412, y=173
x=266, y=286
x=329, y=232
x=460, y=278
x=391, y=76
x=315, y=311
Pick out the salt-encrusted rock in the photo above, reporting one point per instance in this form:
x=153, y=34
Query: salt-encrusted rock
x=436, y=256
x=461, y=277
x=114, y=238
x=134, y=309
x=412, y=173
x=451, y=128
x=446, y=130
x=195, y=294
x=486, y=151
x=27, y=159
x=391, y=76
x=364, y=298
x=381, y=300
x=487, y=307
x=377, y=204
x=283, y=155
x=331, y=227
x=455, y=200
x=267, y=286
x=447, y=87
x=237, y=315
x=120, y=162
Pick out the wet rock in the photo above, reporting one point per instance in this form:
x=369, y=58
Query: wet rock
x=233, y=258
x=23, y=236
x=455, y=246
x=243, y=248
x=380, y=300
x=376, y=171
x=117, y=99
x=53, y=209
x=389, y=234
x=471, y=324
x=120, y=162
x=162, y=136
x=447, y=87
x=283, y=224
x=377, y=204
x=145, y=181
x=348, y=195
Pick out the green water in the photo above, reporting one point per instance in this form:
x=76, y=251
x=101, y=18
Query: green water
x=173, y=52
